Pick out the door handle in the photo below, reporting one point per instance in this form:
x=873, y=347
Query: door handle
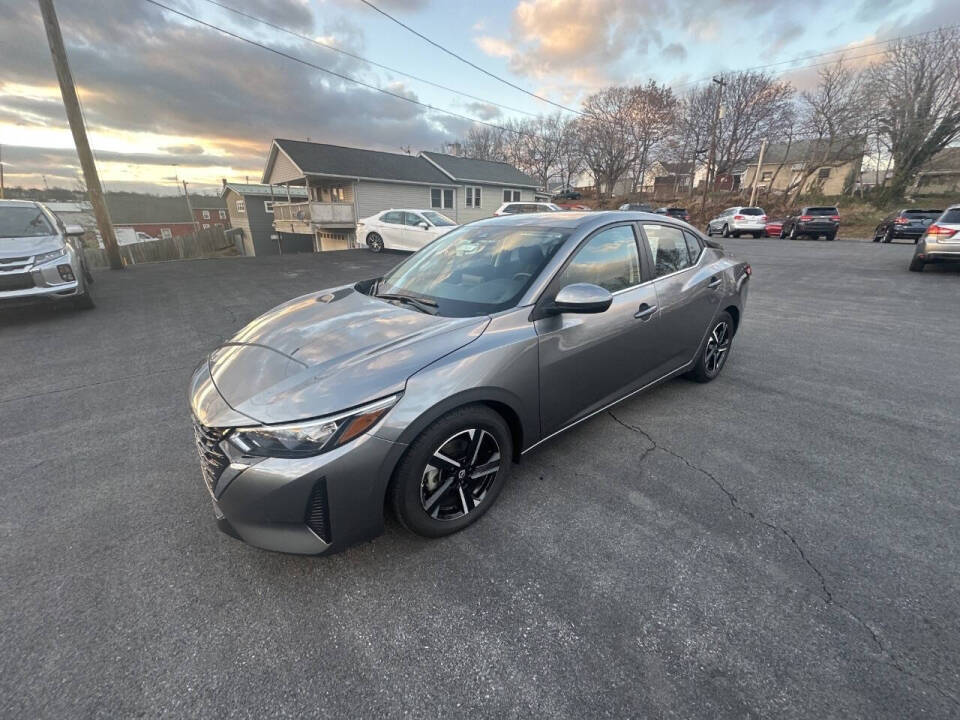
x=645, y=311
x=714, y=282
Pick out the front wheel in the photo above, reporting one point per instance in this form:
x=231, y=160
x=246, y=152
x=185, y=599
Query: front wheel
x=726, y=231
x=375, y=242
x=453, y=472
x=916, y=265
x=84, y=301
x=715, y=350
x=831, y=237
x=888, y=236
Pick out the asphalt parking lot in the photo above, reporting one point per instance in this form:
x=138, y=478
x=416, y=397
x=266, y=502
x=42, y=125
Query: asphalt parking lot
x=783, y=542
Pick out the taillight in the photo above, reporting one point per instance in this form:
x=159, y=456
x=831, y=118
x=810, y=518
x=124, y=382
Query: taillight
x=806, y=218
x=835, y=218
x=748, y=270
x=763, y=218
x=939, y=231
x=902, y=221
x=738, y=217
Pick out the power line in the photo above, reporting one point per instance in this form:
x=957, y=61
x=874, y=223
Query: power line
x=309, y=64
x=468, y=62
x=326, y=46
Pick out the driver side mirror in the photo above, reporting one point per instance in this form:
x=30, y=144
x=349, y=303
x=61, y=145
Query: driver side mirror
x=423, y=225
x=581, y=298
x=73, y=230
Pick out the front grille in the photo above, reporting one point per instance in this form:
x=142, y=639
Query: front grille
x=213, y=461
x=23, y=281
x=318, y=513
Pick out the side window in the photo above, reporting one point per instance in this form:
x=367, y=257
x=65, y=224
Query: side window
x=693, y=247
x=412, y=219
x=393, y=218
x=668, y=247
x=609, y=259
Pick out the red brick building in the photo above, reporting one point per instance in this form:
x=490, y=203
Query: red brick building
x=162, y=216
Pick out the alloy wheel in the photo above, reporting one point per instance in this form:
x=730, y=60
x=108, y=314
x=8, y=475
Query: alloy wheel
x=375, y=242
x=718, y=347
x=459, y=474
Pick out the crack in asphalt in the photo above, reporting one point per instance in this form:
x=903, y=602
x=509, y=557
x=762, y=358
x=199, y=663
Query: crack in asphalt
x=828, y=596
x=96, y=383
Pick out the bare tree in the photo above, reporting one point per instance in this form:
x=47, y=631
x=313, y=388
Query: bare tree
x=918, y=86
x=540, y=147
x=654, y=115
x=688, y=145
x=609, y=149
x=485, y=143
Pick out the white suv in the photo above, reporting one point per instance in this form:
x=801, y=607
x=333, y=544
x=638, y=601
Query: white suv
x=513, y=208
x=737, y=221
x=40, y=257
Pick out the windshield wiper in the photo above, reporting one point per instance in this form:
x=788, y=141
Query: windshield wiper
x=422, y=304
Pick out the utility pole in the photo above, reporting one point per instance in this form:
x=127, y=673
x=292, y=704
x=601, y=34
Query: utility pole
x=1, y=172
x=71, y=104
x=756, y=175
x=193, y=219
x=713, y=141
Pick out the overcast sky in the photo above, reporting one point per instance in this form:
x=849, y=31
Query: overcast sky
x=167, y=98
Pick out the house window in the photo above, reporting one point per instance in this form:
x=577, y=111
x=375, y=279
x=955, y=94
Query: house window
x=511, y=196
x=206, y=226
x=441, y=198
x=336, y=194
x=766, y=176
x=824, y=173
x=268, y=206
x=223, y=214
x=166, y=233
x=473, y=197
x=241, y=206
x=206, y=214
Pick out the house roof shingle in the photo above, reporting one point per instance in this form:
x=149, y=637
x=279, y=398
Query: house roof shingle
x=321, y=159
x=487, y=171
x=132, y=208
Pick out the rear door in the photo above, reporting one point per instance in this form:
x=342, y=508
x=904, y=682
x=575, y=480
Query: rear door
x=391, y=229
x=688, y=291
x=588, y=361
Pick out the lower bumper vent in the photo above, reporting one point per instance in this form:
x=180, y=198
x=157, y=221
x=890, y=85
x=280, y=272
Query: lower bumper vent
x=318, y=512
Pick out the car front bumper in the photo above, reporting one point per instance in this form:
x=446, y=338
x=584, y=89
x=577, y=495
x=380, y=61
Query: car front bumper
x=41, y=282
x=309, y=506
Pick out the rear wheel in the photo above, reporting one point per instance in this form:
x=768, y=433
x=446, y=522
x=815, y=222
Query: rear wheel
x=876, y=235
x=831, y=237
x=726, y=231
x=375, y=242
x=916, y=265
x=453, y=472
x=715, y=350
x=757, y=236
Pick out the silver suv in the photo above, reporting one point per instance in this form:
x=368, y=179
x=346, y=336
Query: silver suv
x=940, y=242
x=40, y=257
x=736, y=221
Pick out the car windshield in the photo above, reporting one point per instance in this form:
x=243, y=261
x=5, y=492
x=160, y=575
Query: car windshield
x=438, y=219
x=822, y=211
x=23, y=221
x=474, y=270
x=751, y=211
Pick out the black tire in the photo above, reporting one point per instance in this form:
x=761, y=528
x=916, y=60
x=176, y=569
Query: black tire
x=757, y=236
x=726, y=231
x=916, y=265
x=417, y=480
x=709, y=364
x=375, y=242
x=782, y=234
x=888, y=236
x=84, y=301
x=876, y=235
x=709, y=231
x=830, y=237
x=916, y=240
x=793, y=232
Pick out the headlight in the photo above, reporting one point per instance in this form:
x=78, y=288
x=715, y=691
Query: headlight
x=312, y=437
x=48, y=256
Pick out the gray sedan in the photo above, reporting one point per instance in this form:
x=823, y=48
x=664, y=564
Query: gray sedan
x=420, y=389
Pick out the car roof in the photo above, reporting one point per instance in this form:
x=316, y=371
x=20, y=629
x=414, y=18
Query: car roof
x=574, y=219
x=19, y=203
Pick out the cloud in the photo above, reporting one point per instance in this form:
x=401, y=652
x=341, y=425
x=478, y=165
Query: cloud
x=183, y=149
x=674, y=51
x=484, y=111
x=495, y=47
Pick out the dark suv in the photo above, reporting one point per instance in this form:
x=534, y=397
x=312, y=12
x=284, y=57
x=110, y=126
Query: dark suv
x=812, y=222
x=907, y=224
x=674, y=212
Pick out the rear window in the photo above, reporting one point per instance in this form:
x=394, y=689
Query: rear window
x=922, y=213
x=751, y=211
x=951, y=216
x=822, y=211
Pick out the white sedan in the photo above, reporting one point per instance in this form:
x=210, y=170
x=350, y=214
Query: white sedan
x=403, y=229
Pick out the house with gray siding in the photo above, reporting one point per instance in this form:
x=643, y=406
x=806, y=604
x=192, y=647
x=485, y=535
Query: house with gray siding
x=345, y=184
x=250, y=210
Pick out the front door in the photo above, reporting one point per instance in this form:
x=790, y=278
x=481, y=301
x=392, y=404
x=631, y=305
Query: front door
x=414, y=235
x=688, y=290
x=589, y=360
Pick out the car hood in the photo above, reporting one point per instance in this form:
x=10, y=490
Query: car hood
x=27, y=246
x=329, y=351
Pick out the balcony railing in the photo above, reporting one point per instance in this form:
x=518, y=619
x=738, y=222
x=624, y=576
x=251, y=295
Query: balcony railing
x=314, y=214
